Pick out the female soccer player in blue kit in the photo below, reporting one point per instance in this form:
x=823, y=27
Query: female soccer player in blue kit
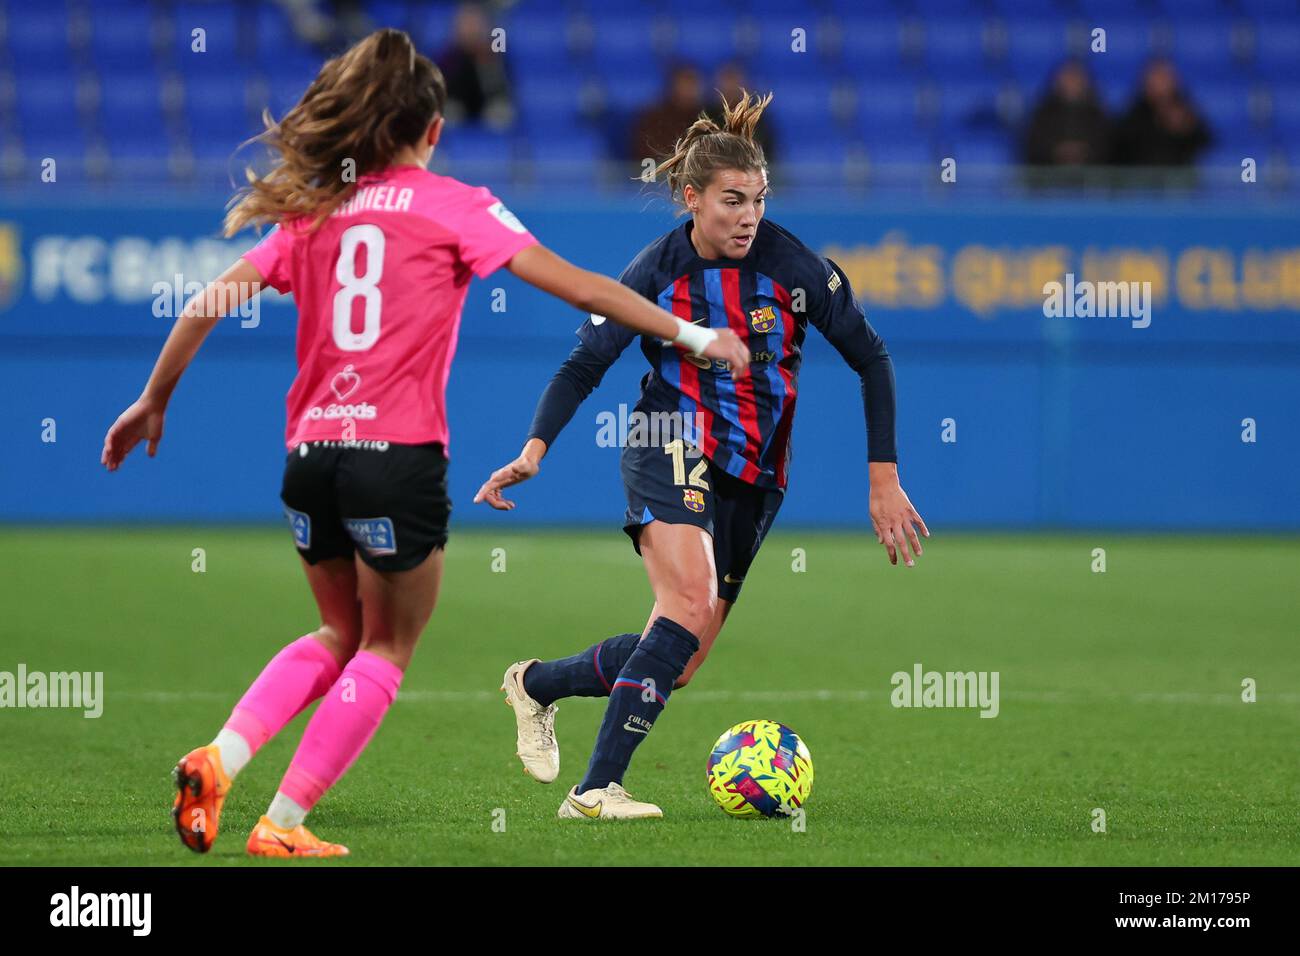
x=698, y=521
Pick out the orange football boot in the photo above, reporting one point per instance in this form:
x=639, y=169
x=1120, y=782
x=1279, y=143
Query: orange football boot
x=201, y=785
x=269, y=840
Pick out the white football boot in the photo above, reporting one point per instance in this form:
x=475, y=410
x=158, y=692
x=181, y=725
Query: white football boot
x=609, y=803
x=535, y=740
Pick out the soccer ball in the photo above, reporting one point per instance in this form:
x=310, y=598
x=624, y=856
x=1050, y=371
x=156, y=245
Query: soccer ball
x=760, y=768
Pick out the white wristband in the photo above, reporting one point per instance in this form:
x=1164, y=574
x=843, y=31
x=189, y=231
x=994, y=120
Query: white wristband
x=694, y=337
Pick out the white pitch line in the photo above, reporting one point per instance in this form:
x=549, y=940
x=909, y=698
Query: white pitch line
x=761, y=696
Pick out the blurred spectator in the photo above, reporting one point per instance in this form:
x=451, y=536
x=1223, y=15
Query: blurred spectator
x=1161, y=128
x=730, y=81
x=478, y=88
x=659, y=126
x=1069, y=127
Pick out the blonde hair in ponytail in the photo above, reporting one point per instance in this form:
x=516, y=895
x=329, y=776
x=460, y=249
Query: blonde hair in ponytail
x=364, y=105
x=708, y=146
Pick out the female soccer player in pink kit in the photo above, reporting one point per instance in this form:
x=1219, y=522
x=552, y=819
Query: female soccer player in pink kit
x=379, y=269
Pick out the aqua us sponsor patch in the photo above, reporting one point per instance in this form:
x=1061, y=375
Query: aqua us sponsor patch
x=300, y=525
x=374, y=535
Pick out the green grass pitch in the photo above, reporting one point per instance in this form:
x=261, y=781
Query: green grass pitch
x=1119, y=690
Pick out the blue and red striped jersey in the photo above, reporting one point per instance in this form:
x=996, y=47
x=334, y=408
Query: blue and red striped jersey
x=768, y=298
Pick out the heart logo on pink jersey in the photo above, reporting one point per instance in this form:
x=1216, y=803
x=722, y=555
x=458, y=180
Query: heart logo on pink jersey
x=345, y=382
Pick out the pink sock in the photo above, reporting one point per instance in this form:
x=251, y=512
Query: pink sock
x=341, y=727
x=300, y=673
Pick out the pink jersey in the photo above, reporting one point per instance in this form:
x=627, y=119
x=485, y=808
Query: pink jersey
x=379, y=290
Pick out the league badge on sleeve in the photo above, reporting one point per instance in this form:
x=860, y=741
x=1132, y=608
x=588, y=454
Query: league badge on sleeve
x=506, y=217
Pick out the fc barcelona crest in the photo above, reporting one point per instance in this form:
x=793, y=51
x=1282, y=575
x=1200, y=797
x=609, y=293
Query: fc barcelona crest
x=762, y=320
x=694, y=500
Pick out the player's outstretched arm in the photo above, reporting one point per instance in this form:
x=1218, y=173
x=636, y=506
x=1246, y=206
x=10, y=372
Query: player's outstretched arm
x=841, y=319
x=592, y=292
x=577, y=378
x=522, y=468
x=892, y=515
x=143, y=420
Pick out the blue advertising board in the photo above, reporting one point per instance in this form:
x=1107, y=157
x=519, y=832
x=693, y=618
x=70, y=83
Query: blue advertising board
x=1175, y=410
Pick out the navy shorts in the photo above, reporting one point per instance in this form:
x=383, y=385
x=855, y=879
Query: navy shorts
x=737, y=514
x=384, y=501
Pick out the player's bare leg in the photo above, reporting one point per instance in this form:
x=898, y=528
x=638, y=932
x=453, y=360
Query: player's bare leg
x=396, y=606
x=334, y=586
x=707, y=638
x=679, y=563
x=298, y=675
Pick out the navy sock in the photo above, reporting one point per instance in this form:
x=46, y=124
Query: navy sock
x=639, y=694
x=590, y=673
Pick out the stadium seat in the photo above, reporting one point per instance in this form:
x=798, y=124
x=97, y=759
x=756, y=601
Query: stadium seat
x=288, y=76
x=1021, y=9
x=273, y=35
x=901, y=159
x=1267, y=8
x=119, y=35
x=397, y=14
x=65, y=144
x=221, y=36
x=550, y=99
x=39, y=37
x=131, y=107
x=569, y=159
x=1197, y=9
x=1286, y=111
x=983, y=151
x=1230, y=153
x=431, y=29
x=811, y=162
x=536, y=40
x=1227, y=104
x=46, y=99
x=1035, y=48
x=709, y=38
x=1277, y=49
x=631, y=43
x=776, y=58
x=887, y=108
x=217, y=115
x=801, y=111
x=1102, y=12
x=484, y=153
x=871, y=46
x=629, y=93
x=970, y=104
x=1199, y=45
x=954, y=47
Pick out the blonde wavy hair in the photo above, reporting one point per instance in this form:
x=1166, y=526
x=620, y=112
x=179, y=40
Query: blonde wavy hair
x=708, y=146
